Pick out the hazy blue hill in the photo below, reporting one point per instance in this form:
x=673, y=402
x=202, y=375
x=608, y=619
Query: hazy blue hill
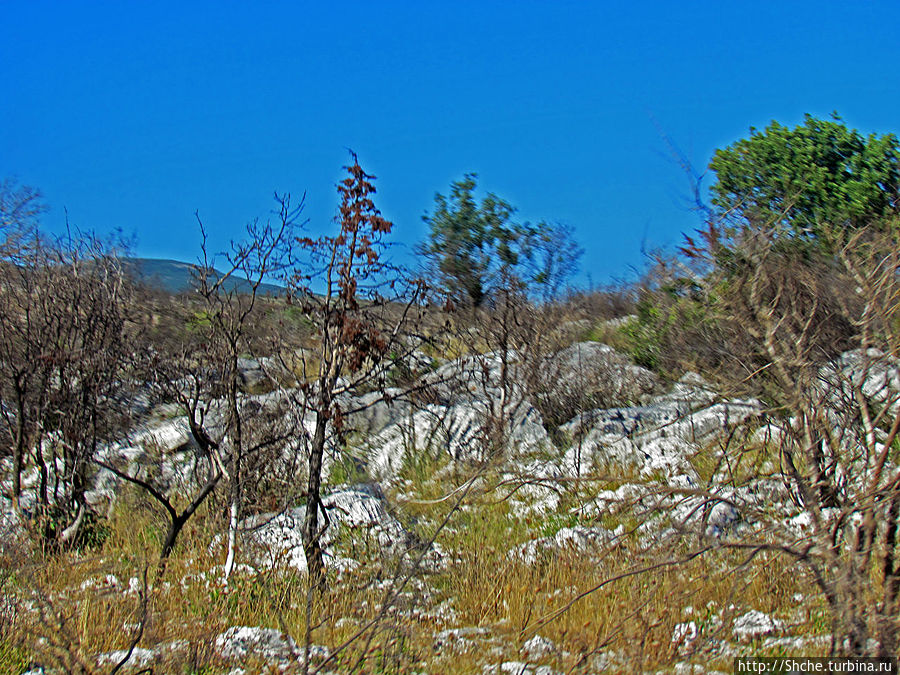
x=174, y=276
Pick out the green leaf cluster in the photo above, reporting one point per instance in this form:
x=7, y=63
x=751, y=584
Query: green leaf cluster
x=674, y=304
x=473, y=248
x=468, y=240
x=804, y=179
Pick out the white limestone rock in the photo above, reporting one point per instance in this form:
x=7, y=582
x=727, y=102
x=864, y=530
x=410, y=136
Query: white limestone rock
x=658, y=438
x=139, y=658
x=269, y=644
x=518, y=668
x=458, y=432
x=538, y=647
x=588, y=374
x=754, y=624
x=276, y=539
x=375, y=411
x=578, y=539
x=684, y=636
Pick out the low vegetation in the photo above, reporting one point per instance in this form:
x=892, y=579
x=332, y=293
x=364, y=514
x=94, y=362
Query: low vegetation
x=373, y=473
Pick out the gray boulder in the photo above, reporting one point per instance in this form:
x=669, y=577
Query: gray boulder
x=460, y=432
x=875, y=374
x=578, y=539
x=257, y=374
x=658, y=437
x=372, y=412
x=359, y=514
x=754, y=624
x=270, y=644
x=590, y=375
x=478, y=377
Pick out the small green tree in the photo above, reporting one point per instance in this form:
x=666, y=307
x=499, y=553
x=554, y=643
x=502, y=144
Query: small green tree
x=800, y=179
x=469, y=243
x=476, y=250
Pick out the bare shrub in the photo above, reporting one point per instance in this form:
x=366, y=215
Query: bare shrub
x=819, y=484
x=63, y=348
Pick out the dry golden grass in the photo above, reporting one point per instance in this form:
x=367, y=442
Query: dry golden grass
x=595, y=608
x=483, y=585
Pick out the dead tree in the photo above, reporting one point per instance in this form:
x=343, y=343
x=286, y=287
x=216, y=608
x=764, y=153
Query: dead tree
x=62, y=349
x=359, y=307
x=202, y=376
x=229, y=310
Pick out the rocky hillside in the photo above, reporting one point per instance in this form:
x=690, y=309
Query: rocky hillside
x=663, y=529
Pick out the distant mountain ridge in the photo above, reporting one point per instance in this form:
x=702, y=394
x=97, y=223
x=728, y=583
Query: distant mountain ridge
x=175, y=276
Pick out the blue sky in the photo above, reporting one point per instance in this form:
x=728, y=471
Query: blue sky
x=136, y=115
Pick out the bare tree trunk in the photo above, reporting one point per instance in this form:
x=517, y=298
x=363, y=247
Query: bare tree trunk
x=43, y=501
x=68, y=535
x=887, y=629
x=235, y=434
x=311, y=534
x=18, y=463
x=232, y=535
x=175, y=526
x=18, y=447
x=78, y=503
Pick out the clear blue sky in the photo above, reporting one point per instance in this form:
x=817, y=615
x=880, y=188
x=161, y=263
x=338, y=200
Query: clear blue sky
x=135, y=115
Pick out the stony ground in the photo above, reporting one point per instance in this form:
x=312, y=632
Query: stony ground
x=608, y=541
